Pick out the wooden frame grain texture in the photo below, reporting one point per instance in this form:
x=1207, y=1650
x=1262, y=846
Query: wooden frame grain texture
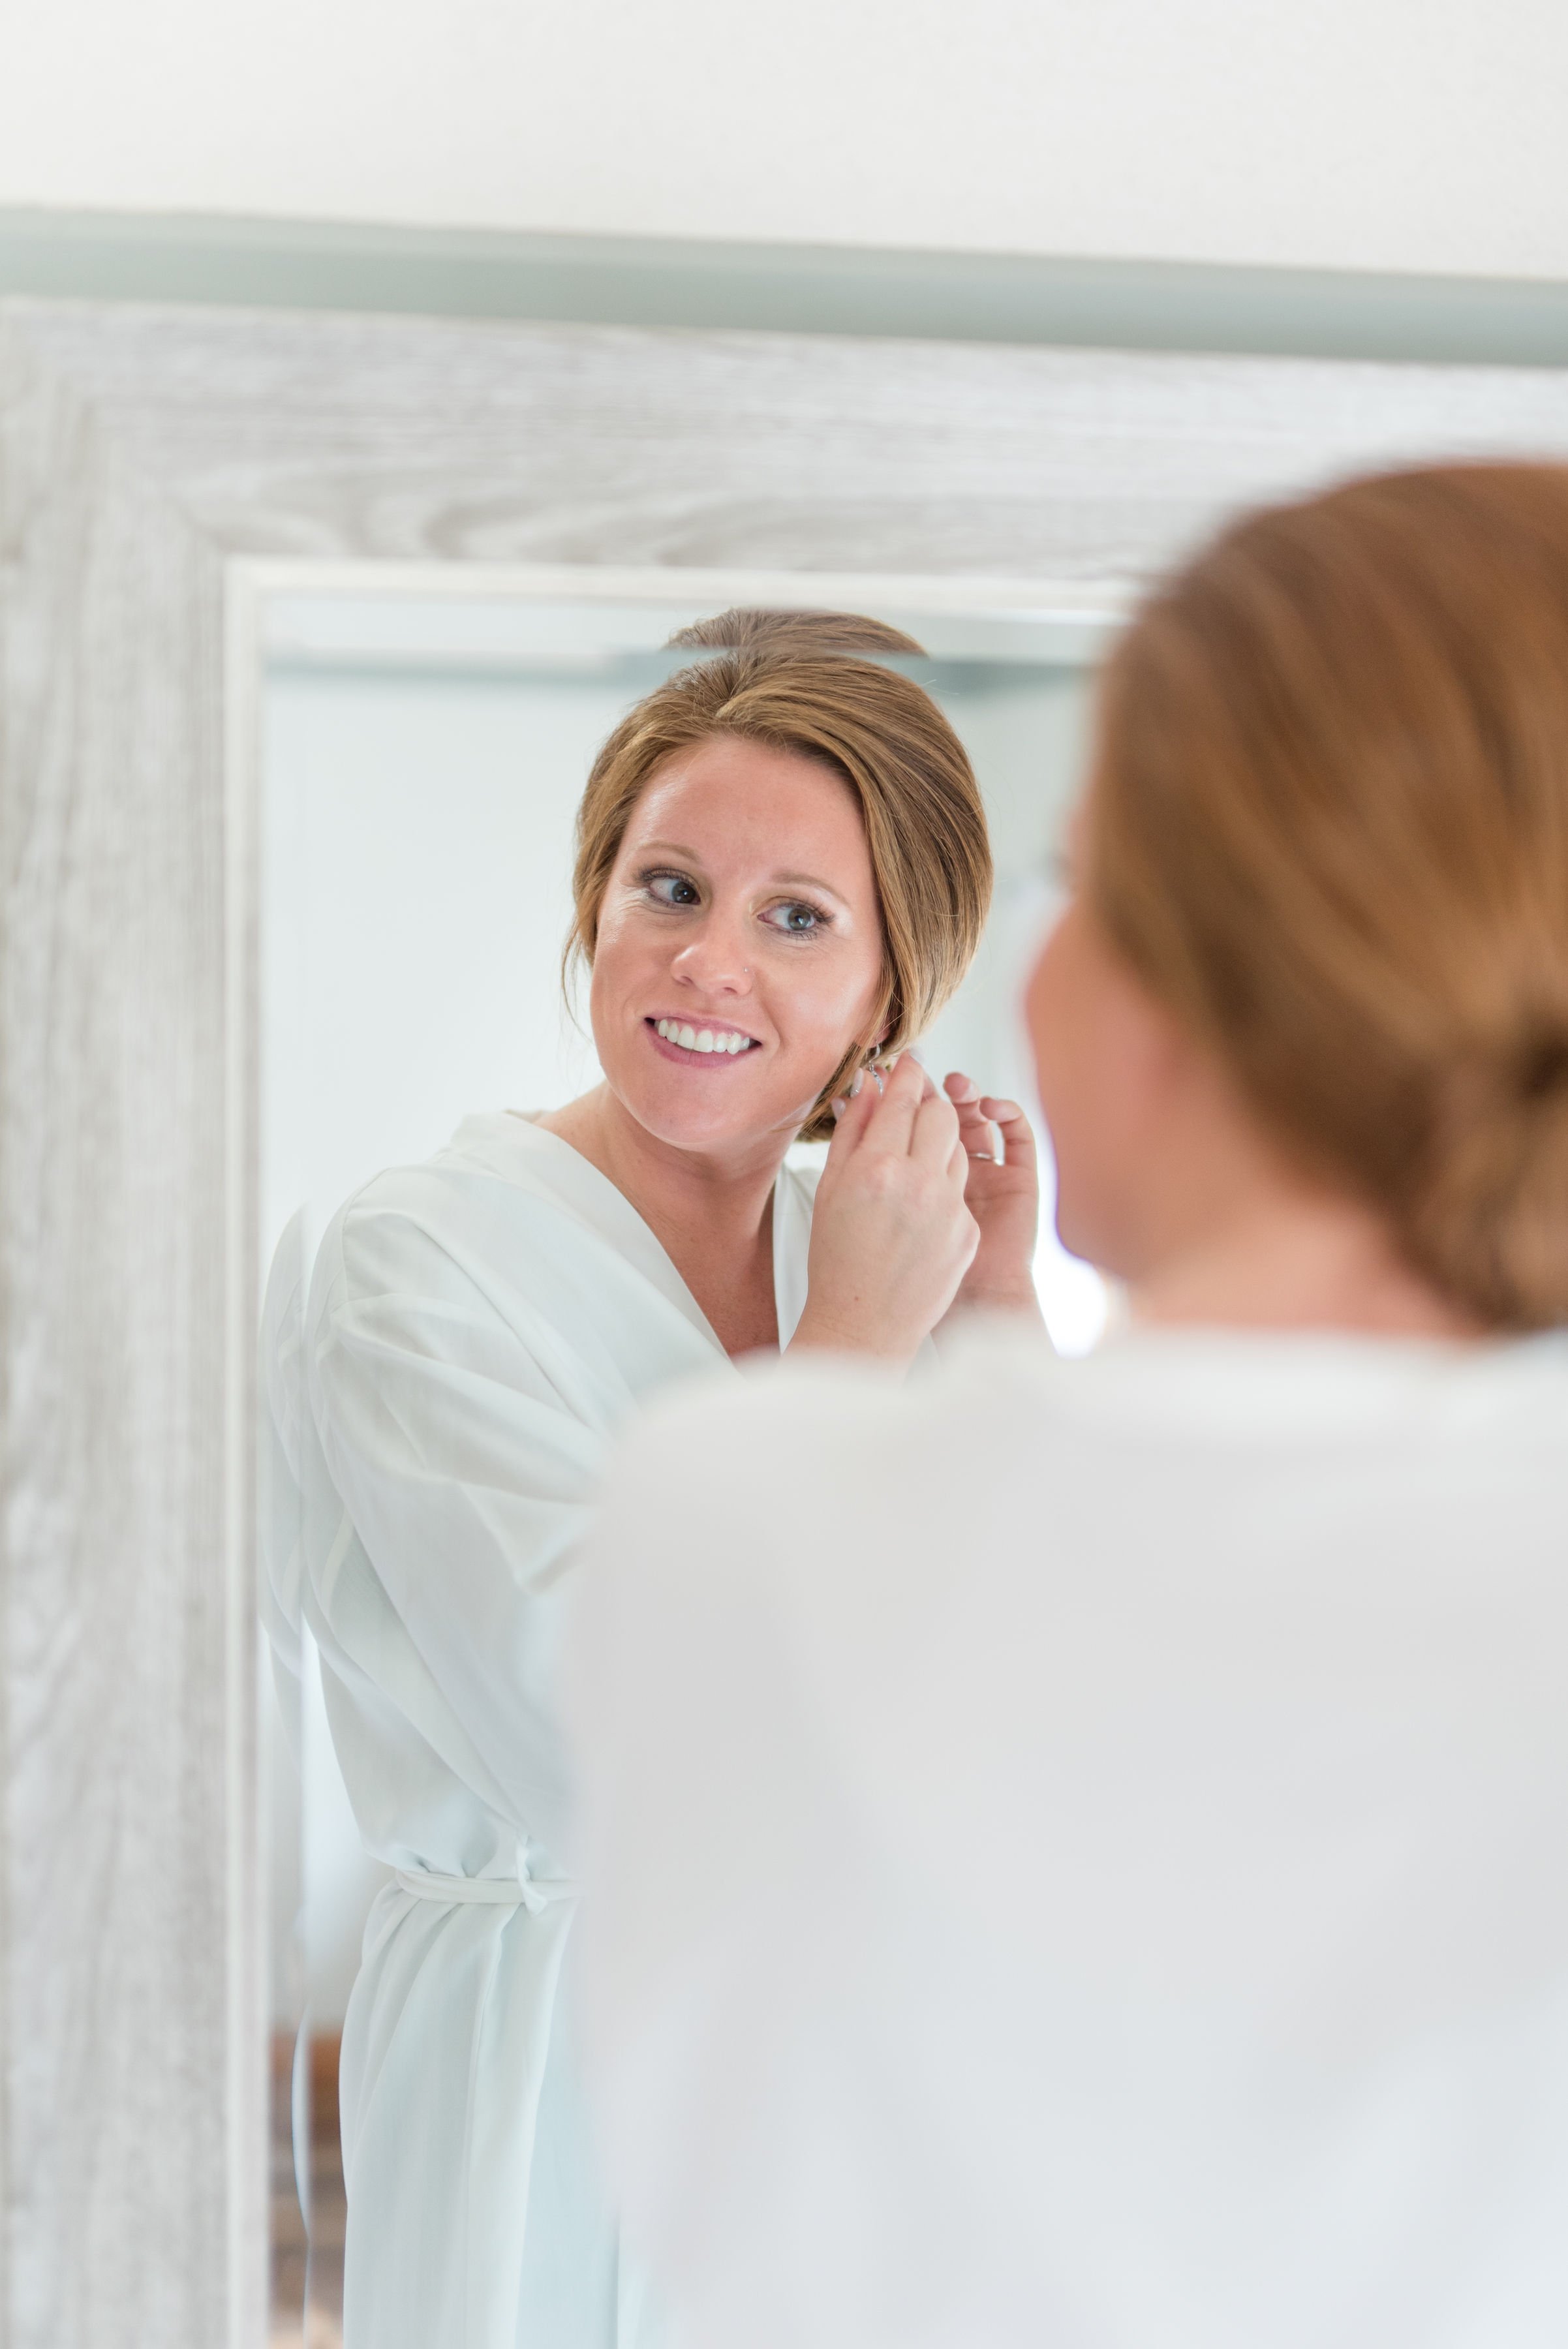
x=156, y=468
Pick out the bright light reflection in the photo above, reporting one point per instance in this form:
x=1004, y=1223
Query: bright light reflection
x=1073, y=1296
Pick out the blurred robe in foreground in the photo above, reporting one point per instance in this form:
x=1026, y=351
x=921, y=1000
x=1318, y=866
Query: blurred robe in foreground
x=1118, y=1811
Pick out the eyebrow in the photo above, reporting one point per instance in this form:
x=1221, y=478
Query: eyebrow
x=783, y=880
x=809, y=881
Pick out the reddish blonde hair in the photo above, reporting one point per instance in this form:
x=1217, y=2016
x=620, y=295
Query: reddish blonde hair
x=1328, y=824
x=800, y=681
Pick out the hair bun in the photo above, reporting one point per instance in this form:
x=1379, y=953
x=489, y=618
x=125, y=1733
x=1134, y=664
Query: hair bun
x=1541, y=1063
x=805, y=635
x=1492, y=1218
x=1329, y=828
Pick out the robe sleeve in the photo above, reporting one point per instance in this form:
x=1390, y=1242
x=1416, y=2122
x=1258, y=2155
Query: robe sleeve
x=462, y=1435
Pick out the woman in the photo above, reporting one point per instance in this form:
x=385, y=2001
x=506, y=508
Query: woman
x=781, y=873
x=1133, y=1908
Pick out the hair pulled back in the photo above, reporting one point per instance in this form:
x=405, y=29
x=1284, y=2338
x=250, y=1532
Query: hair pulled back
x=812, y=683
x=1328, y=824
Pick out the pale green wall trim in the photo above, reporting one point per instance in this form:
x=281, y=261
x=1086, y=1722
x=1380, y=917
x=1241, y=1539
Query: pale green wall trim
x=819, y=289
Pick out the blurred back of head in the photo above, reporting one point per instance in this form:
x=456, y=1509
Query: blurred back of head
x=1328, y=825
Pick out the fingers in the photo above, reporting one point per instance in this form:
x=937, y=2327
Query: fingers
x=852, y=1113
x=1017, y=1133
x=907, y=1114
x=935, y=1139
x=980, y=1113
x=974, y=1125
x=891, y=1123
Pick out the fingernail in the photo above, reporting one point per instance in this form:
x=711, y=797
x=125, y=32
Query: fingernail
x=859, y=1080
x=839, y=1106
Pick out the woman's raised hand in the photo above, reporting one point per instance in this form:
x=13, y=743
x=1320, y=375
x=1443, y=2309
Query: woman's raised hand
x=891, y=1236
x=1002, y=1196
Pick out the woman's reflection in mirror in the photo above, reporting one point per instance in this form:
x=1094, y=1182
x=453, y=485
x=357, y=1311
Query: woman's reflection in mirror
x=783, y=873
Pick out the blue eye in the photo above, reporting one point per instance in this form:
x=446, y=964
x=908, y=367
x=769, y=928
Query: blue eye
x=797, y=919
x=672, y=889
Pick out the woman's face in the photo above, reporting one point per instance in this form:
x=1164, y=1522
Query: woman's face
x=738, y=954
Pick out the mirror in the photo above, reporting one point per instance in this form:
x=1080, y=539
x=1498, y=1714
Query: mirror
x=424, y=755
x=275, y=470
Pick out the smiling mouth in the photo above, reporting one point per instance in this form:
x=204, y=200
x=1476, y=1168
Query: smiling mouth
x=717, y=1043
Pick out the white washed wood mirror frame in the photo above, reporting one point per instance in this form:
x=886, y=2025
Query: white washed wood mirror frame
x=162, y=475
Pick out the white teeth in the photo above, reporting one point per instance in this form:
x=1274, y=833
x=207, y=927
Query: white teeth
x=702, y=1039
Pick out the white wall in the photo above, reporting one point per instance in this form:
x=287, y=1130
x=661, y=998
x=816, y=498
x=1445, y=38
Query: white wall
x=1385, y=134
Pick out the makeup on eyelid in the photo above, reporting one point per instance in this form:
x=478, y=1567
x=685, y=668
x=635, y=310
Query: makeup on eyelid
x=821, y=916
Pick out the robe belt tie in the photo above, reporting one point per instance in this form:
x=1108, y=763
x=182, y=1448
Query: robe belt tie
x=530, y=1892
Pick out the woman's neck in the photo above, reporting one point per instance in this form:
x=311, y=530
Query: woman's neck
x=1289, y=1257
x=710, y=1211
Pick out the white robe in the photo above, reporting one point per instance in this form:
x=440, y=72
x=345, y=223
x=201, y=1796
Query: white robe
x=1121, y=1814
x=478, y=1327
